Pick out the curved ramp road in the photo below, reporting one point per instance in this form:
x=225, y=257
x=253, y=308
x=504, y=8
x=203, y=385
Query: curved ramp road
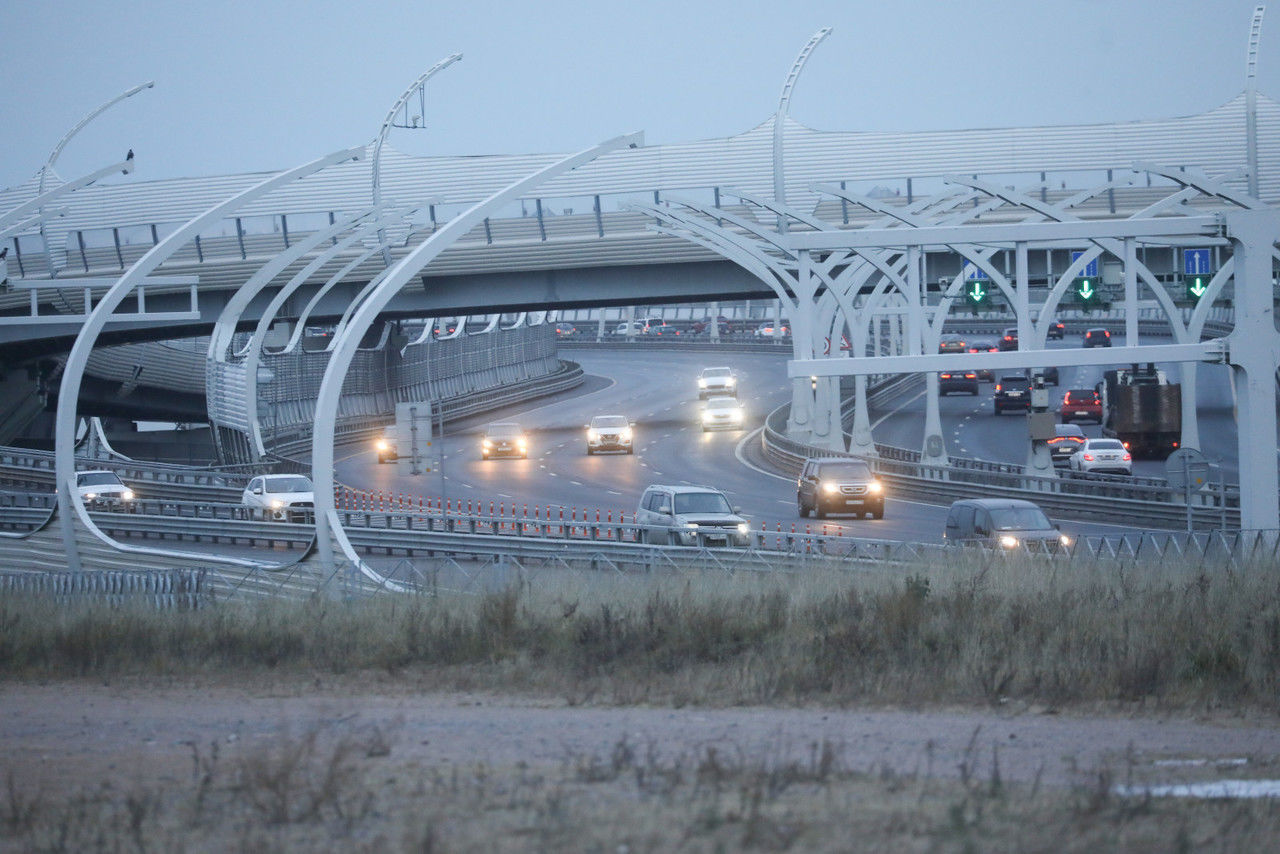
x=658, y=392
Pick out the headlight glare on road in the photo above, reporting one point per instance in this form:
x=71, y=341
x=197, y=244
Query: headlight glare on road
x=1009, y=542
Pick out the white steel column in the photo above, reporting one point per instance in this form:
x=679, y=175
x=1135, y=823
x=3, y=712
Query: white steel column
x=934, y=449
x=800, y=421
x=1254, y=354
x=1131, y=293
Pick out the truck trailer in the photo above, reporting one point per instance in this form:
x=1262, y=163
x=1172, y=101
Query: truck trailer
x=1142, y=409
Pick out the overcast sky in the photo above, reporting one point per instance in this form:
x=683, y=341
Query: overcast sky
x=268, y=84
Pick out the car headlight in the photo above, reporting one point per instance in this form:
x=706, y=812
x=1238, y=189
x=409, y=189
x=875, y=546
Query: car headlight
x=875, y=487
x=593, y=436
x=706, y=415
x=127, y=495
x=277, y=504
x=731, y=382
x=522, y=444
x=382, y=445
x=487, y=443
x=831, y=487
x=692, y=526
x=1064, y=539
x=744, y=528
x=702, y=383
x=735, y=414
x=1009, y=542
x=90, y=496
x=626, y=435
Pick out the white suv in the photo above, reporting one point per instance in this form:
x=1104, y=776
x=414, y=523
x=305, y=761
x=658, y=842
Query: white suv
x=716, y=382
x=283, y=497
x=690, y=516
x=102, y=487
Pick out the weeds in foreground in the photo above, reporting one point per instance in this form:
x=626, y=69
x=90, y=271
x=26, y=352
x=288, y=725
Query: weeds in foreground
x=983, y=634
x=335, y=788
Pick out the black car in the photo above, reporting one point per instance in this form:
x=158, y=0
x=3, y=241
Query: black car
x=839, y=485
x=984, y=345
x=1009, y=339
x=1098, y=336
x=965, y=382
x=1057, y=331
x=1013, y=392
x=1067, y=439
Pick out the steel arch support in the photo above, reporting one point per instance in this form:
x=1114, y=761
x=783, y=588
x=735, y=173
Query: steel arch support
x=329, y=531
x=77, y=360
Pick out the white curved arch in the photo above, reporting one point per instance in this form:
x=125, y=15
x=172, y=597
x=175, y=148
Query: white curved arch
x=329, y=531
x=77, y=360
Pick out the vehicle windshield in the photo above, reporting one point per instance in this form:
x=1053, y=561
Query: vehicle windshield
x=504, y=431
x=287, y=484
x=702, y=502
x=1106, y=445
x=1019, y=519
x=1079, y=395
x=846, y=470
x=606, y=421
x=98, y=478
x=716, y=372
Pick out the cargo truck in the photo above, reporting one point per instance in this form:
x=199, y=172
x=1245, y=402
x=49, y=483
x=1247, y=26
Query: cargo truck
x=1142, y=409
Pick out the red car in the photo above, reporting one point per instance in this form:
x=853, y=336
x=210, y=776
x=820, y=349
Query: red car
x=1080, y=404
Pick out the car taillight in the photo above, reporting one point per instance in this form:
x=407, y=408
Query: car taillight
x=997, y=386
x=1126, y=445
x=1127, y=457
x=1089, y=457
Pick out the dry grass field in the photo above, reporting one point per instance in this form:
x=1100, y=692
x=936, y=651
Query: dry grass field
x=981, y=705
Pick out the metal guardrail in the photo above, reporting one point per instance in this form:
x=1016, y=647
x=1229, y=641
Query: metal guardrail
x=183, y=589
x=617, y=544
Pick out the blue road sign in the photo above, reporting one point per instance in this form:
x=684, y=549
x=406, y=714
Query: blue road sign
x=1195, y=262
x=1090, y=270
x=972, y=272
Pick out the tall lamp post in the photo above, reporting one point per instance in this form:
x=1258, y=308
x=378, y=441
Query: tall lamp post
x=62, y=143
x=779, y=120
x=398, y=116
x=1251, y=99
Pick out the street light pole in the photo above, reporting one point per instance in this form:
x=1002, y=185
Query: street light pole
x=401, y=108
x=779, y=120
x=62, y=143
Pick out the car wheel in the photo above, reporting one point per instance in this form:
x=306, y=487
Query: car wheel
x=877, y=514
x=630, y=450
x=819, y=512
x=589, y=451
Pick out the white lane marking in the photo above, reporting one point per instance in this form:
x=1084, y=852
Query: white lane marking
x=613, y=492
x=576, y=483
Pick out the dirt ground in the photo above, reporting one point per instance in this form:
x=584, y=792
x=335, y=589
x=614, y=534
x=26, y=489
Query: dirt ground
x=61, y=735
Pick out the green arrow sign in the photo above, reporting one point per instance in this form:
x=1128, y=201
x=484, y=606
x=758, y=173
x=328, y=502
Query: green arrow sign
x=976, y=292
x=1086, y=289
x=1197, y=287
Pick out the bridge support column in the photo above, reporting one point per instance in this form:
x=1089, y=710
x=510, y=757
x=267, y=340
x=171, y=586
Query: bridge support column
x=860, y=441
x=1190, y=423
x=1254, y=354
x=804, y=412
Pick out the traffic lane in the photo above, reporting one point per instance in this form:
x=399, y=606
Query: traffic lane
x=559, y=473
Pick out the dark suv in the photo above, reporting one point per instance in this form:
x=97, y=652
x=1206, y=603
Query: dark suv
x=1013, y=391
x=839, y=485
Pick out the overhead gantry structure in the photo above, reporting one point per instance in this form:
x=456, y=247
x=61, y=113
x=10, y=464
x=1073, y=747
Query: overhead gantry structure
x=855, y=279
